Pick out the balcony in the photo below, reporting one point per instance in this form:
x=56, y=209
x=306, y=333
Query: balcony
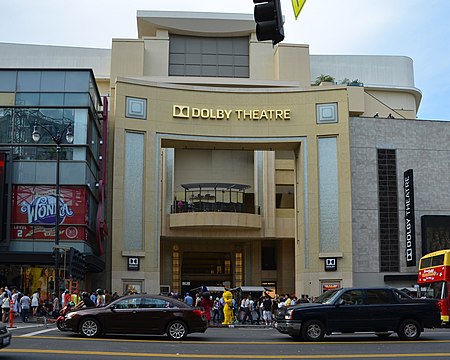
x=215, y=205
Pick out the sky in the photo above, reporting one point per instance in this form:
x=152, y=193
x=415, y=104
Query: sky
x=415, y=28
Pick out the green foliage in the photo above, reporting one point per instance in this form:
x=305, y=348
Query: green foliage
x=324, y=78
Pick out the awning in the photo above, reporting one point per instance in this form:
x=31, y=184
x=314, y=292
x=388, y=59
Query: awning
x=253, y=289
x=213, y=289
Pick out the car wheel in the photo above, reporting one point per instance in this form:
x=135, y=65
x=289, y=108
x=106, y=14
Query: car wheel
x=61, y=325
x=89, y=328
x=176, y=330
x=313, y=330
x=409, y=330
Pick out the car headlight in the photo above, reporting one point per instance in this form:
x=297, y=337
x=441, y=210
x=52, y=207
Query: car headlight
x=71, y=315
x=288, y=314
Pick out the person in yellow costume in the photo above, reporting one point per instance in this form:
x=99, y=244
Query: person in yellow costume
x=228, y=307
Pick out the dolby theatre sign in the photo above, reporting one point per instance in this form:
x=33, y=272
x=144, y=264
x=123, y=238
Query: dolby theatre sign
x=187, y=112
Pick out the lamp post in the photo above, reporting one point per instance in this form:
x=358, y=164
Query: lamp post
x=57, y=139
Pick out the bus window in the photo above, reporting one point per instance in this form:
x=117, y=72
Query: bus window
x=425, y=263
x=434, y=290
x=437, y=260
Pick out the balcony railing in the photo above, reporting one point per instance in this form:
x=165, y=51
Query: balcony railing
x=219, y=206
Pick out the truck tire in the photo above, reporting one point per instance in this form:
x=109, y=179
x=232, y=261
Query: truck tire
x=313, y=330
x=409, y=330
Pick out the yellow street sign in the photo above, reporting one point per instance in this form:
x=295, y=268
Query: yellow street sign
x=297, y=5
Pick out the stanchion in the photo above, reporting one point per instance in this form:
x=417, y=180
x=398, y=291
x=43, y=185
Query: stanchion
x=11, y=313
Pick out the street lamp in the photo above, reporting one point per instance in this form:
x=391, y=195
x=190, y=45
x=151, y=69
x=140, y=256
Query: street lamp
x=57, y=139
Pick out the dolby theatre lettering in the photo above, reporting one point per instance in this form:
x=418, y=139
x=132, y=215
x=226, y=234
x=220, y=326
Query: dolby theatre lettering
x=187, y=112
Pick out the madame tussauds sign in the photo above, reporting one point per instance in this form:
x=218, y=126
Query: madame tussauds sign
x=187, y=112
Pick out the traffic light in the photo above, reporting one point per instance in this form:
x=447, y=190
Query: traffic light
x=269, y=20
x=76, y=264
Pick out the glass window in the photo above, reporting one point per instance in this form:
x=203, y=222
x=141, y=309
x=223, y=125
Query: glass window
x=150, y=303
x=8, y=81
x=328, y=194
x=132, y=303
x=379, y=296
x=133, y=191
x=77, y=81
x=5, y=123
x=27, y=99
x=268, y=258
x=76, y=99
x=52, y=99
x=285, y=196
x=29, y=81
x=197, y=56
x=353, y=297
x=437, y=260
x=53, y=81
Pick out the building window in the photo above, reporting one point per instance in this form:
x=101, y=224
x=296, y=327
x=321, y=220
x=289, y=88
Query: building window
x=328, y=194
x=285, y=196
x=326, y=113
x=133, y=206
x=435, y=233
x=136, y=108
x=268, y=258
x=388, y=210
x=213, y=57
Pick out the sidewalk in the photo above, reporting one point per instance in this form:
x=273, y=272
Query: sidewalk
x=32, y=322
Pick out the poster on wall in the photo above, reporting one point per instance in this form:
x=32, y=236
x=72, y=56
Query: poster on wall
x=34, y=213
x=40, y=279
x=330, y=285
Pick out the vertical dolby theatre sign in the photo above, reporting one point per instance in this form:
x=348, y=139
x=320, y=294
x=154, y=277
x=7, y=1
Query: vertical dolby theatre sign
x=410, y=227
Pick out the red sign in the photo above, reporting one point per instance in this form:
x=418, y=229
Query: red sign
x=34, y=212
x=431, y=275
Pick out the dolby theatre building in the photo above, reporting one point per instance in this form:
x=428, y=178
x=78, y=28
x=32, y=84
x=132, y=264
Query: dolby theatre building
x=227, y=166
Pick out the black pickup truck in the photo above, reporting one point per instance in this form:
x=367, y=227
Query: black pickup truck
x=348, y=310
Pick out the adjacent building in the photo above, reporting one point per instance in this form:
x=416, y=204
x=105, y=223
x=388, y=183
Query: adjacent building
x=227, y=165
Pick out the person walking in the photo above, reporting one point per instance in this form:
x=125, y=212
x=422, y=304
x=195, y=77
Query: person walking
x=55, y=305
x=188, y=299
x=35, y=302
x=248, y=310
x=25, y=303
x=216, y=314
x=5, y=307
x=267, y=310
x=100, y=298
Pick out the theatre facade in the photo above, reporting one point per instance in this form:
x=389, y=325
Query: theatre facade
x=228, y=166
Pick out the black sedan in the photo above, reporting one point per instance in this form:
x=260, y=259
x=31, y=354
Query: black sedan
x=139, y=314
x=5, y=336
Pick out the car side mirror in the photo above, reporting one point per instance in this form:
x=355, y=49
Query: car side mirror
x=113, y=307
x=340, y=302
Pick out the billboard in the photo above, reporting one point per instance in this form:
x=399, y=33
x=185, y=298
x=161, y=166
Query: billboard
x=34, y=213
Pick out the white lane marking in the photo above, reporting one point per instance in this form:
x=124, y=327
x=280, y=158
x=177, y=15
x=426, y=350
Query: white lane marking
x=39, y=332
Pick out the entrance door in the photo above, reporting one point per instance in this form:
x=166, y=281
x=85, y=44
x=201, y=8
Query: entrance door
x=205, y=268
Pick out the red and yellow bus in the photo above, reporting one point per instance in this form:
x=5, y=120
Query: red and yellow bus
x=434, y=280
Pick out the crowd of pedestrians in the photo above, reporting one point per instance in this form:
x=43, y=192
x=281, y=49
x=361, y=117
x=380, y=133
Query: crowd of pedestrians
x=247, y=309
x=30, y=306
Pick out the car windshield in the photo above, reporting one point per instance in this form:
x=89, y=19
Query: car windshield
x=327, y=297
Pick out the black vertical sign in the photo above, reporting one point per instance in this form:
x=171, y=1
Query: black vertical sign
x=410, y=227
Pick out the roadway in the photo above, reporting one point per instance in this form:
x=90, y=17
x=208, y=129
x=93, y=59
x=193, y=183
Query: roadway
x=38, y=342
